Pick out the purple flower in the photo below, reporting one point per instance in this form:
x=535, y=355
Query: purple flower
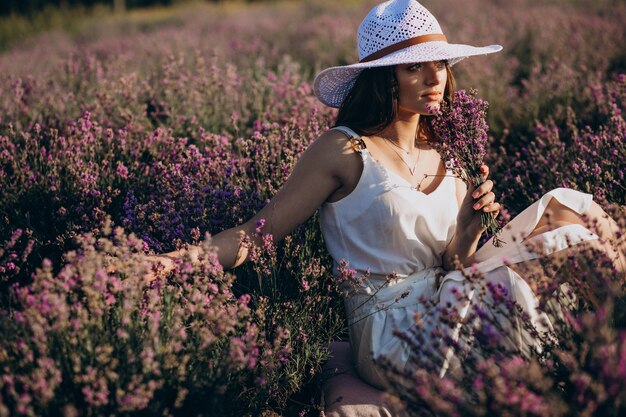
x=461, y=138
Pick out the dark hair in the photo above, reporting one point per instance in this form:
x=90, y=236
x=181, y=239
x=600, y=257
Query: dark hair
x=372, y=103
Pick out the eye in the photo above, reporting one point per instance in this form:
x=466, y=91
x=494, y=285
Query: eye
x=415, y=67
x=442, y=64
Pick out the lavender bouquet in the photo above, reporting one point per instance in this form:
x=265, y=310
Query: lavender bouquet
x=460, y=137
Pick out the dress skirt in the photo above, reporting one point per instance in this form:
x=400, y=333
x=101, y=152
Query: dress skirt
x=381, y=306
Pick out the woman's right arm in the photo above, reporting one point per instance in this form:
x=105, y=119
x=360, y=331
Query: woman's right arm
x=321, y=171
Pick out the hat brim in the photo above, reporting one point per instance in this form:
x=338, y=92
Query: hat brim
x=331, y=86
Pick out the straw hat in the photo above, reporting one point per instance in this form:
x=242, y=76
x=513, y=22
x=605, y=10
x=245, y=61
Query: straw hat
x=394, y=32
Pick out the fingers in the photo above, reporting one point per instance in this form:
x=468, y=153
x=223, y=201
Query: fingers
x=160, y=265
x=156, y=266
x=156, y=269
x=484, y=170
x=149, y=277
x=487, y=203
x=483, y=189
x=492, y=208
x=484, y=201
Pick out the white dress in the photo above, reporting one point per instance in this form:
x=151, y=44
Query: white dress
x=385, y=226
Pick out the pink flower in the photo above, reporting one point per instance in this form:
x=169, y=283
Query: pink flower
x=121, y=170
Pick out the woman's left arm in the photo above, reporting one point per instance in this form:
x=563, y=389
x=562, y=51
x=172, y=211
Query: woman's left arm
x=469, y=228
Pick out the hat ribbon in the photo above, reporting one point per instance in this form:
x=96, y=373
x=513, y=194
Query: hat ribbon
x=431, y=37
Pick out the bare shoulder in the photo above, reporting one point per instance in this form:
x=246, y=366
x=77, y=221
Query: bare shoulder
x=335, y=142
x=318, y=176
x=332, y=156
x=334, y=150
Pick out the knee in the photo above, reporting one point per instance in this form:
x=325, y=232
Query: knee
x=555, y=216
x=561, y=215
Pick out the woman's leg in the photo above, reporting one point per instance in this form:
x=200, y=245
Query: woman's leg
x=345, y=393
x=596, y=219
x=540, y=273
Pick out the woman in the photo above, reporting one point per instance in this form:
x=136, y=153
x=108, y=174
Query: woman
x=387, y=203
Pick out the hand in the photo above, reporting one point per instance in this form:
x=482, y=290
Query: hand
x=158, y=265
x=477, y=200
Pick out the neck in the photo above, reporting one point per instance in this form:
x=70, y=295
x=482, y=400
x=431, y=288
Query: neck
x=403, y=130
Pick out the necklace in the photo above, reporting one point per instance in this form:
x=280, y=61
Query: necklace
x=398, y=146
x=411, y=169
x=418, y=187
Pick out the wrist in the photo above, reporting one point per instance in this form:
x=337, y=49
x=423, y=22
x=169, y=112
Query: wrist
x=461, y=248
x=469, y=234
x=190, y=252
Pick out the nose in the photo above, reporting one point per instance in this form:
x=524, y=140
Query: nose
x=433, y=74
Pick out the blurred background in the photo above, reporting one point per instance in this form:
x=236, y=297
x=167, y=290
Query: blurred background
x=31, y=7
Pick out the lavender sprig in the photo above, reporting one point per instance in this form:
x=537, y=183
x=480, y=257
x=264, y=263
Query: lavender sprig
x=460, y=137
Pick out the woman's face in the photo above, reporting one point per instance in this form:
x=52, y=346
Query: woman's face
x=421, y=86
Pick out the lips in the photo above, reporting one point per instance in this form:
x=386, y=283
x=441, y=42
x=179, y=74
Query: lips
x=433, y=95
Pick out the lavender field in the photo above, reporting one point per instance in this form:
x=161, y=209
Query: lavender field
x=141, y=133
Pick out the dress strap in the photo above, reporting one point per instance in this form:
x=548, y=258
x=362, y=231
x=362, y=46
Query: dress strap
x=358, y=144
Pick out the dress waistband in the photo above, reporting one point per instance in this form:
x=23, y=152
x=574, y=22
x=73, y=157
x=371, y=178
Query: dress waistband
x=376, y=292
